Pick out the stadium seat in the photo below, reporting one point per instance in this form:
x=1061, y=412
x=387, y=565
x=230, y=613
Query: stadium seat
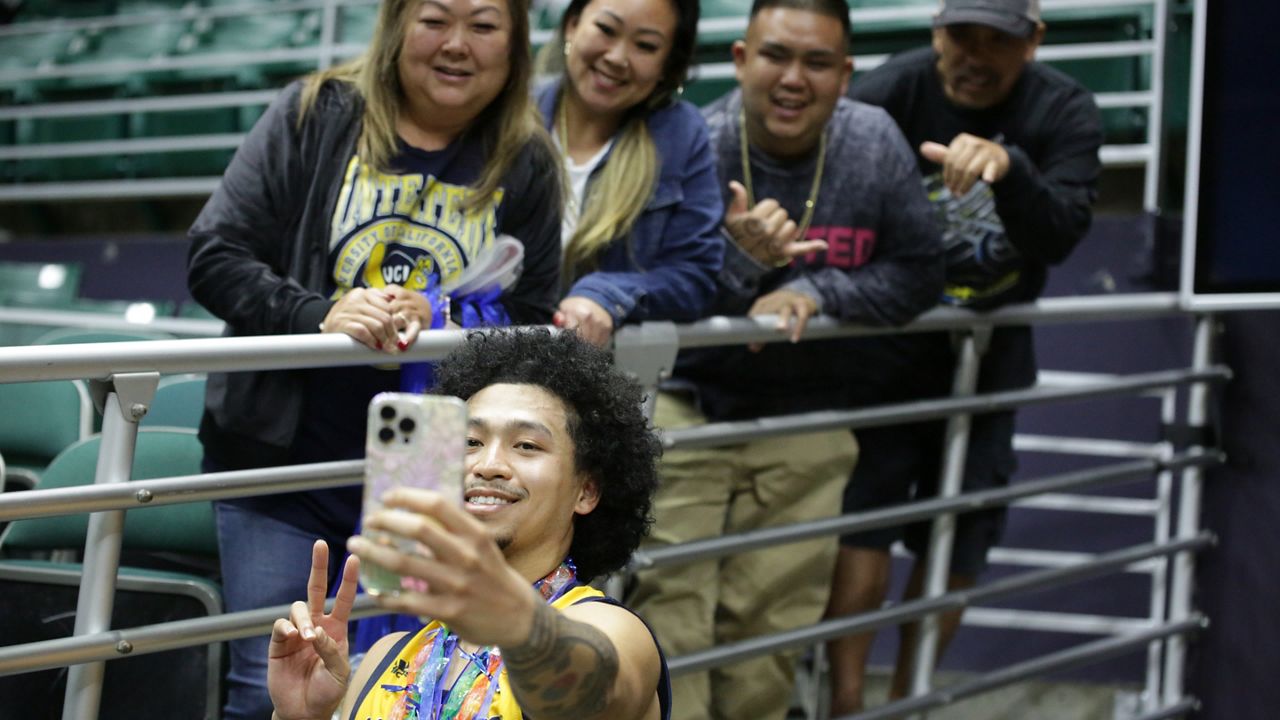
x=37, y=421
x=32, y=284
x=179, y=402
x=35, y=286
x=145, y=594
x=355, y=24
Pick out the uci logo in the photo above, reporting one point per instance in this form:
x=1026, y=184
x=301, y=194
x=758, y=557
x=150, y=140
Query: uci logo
x=403, y=269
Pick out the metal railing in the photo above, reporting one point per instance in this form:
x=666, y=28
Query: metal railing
x=327, y=48
x=125, y=374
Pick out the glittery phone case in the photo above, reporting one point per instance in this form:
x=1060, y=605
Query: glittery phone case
x=413, y=441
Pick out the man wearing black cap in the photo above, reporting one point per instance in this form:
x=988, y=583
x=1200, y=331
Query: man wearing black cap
x=1009, y=152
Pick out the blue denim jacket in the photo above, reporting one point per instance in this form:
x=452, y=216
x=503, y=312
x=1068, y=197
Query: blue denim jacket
x=665, y=269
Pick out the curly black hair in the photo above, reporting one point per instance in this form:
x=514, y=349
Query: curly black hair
x=614, y=443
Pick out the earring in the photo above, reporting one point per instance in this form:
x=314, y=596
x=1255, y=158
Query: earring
x=568, y=47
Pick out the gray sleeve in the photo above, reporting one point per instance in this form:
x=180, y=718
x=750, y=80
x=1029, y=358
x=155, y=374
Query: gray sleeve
x=905, y=274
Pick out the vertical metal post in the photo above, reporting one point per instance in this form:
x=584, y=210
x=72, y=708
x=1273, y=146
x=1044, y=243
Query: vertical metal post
x=1155, y=113
x=127, y=398
x=1188, y=517
x=971, y=345
x=1195, y=122
x=1160, y=569
x=646, y=352
x=328, y=33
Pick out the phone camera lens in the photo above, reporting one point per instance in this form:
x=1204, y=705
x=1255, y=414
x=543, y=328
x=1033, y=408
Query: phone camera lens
x=388, y=412
x=407, y=425
x=386, y=435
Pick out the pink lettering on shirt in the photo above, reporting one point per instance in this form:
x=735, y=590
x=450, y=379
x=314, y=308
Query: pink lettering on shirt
x=847, y=247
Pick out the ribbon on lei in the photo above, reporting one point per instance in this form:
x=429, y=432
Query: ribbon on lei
x=471, y=694
x=475, y=292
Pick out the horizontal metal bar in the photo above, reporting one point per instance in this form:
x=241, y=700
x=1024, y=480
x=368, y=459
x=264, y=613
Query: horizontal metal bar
x=740, y=431
x=725, y=545
x=61, y=652
x=120, y=106
x=1136, y=98
x=720, y=330
x=292, y=351
x=109, y=189
x=1125, y=155
x=77, y=649
x=99, y=321
x=1095, y=447
x=1048, y=558
x=1052, y=621
x=157, y=492
x=1095, y=51
x=1176, y=710
x=1085, y=654
x=229, y=354
x=1092, y=504
x=304, y=55
x=915, y=609
x=134, y=146
x=1233, y=302
x=186, y=13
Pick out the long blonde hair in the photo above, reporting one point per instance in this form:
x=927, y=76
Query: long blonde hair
x=505, y=126
x=622, y=190
x=617, y=196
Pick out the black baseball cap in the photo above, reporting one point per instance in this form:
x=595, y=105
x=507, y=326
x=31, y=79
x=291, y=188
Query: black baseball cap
x=1016, y=17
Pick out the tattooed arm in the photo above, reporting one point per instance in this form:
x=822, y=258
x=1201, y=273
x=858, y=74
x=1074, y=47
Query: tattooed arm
x=591, y=661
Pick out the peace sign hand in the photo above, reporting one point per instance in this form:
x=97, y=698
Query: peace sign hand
x=307, y=664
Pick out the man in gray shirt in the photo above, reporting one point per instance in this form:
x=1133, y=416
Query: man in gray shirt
x=826, y=215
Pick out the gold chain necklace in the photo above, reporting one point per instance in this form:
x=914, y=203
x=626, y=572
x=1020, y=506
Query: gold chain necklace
x=813, y=191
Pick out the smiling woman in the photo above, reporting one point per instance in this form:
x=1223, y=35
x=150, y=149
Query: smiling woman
x=361, y=191
x=642, y=209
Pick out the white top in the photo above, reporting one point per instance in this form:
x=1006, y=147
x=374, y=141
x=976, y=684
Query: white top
x=578, y=175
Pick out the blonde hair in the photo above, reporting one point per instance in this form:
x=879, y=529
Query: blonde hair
x=505, y=126
x=621, y=191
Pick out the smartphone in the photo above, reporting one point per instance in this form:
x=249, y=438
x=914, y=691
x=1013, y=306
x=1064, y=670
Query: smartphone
x=412, y=441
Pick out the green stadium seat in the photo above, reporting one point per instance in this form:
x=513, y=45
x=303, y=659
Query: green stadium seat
x=140, y=311
x=179, y=402
x=355, y=24
x=181, y=540
x=75, y=336
x=37, y=421
x=161, y=452
x=178, y=123
x=33, y=284
x=252, y=33
x=195, y=311
x=127, y=42
x=49, y=131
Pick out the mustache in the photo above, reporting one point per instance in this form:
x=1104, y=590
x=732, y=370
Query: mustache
x=499, y=487
x=982, y=75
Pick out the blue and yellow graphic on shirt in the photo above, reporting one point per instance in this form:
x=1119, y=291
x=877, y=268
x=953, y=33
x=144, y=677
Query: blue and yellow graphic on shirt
x=402, y=229
x=983, y=267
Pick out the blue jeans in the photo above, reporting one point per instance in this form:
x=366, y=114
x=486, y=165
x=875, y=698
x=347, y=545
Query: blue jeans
x=264, y=562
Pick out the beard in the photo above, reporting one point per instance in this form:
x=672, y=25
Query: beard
x=504, y=540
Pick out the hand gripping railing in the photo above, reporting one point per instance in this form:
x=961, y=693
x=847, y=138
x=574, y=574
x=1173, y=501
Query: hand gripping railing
x=123, y=375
